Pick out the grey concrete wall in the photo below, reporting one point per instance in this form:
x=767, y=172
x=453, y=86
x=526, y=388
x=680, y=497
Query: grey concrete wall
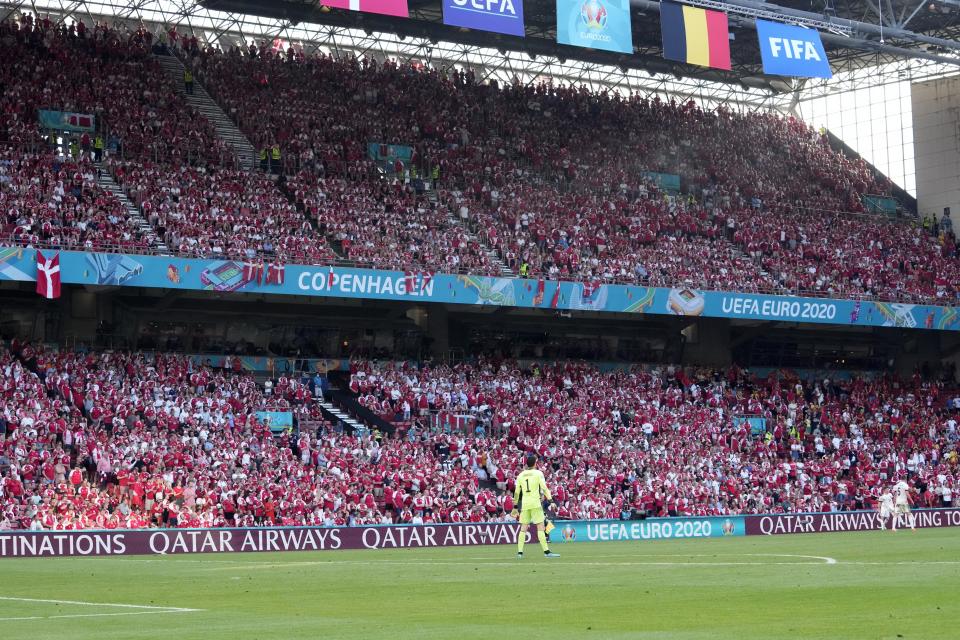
x=936, y=135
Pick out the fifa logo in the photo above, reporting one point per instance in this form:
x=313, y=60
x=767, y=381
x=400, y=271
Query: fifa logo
x=569, y=534
x=593, y=15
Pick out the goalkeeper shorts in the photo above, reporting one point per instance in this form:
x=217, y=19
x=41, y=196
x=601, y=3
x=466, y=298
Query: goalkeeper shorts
x=532, y=516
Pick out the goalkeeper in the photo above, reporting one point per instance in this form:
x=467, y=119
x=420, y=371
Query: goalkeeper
x=527, y=496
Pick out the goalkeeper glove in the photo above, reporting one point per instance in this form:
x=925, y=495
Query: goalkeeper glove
x=514, y=514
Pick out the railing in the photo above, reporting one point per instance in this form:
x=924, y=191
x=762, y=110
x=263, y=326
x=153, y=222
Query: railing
x=840, y=294
x=493, y=271
x=348, y=403
x=293, y=162
x=437, y=421
x=193, y=154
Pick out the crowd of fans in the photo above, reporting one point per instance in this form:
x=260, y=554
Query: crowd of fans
x=46, y=200
x=217, y=212
x=851, y=256
x=556, y=180
x=553, y=181
x=111, y=440
x=105, y=72
x=669, y=441
x=388, y=226
x=106, y=440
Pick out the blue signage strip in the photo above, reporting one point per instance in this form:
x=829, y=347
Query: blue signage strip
x=279, y=421
x=649, y=529
x=228, y=276
x=276, y=366
x=595, y=24
x=498, y=16
x=788, y=50
x=64, y=121
x=666, y=181
x=758, y=426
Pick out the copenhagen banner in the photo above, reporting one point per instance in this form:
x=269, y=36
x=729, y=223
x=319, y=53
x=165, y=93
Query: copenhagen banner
x=595, y=24
x=232, y=276
x=787, y=50
x=498, y=16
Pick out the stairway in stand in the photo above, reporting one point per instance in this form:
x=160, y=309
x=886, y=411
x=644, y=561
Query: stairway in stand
x=202, y=102
x=505, y=271
x=334, y=411
x=106, y=182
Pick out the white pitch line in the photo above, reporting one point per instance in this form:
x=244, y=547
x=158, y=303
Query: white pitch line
x=421, y=563
x=496, y=561
x=150, y=609
x=99, y=604
x=825, y=559
x=101, y=615
x=903, y=562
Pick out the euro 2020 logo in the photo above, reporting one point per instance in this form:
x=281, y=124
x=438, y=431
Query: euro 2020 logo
x=593, y=15
x=569, y=534
x=728, y=528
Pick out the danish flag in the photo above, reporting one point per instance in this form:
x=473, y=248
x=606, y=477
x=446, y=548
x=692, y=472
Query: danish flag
x=48, y=276
x=538, y=297
x=253, y=271
x=275, y=273
x=426, y=277
x=555, y=301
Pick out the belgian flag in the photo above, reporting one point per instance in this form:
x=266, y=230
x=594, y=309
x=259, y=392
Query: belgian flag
x=694, y=35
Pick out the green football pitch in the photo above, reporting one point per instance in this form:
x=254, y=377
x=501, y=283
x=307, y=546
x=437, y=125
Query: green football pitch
x=864, y=585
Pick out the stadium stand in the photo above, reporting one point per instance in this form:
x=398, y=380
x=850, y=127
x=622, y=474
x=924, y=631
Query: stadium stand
x=220, y=212
x=556, y=202
x=388, y=226
x=537, y=180
x=665, y=441
x=51, y=201
x=102, y=439
x=492, y=186
x=104, y=72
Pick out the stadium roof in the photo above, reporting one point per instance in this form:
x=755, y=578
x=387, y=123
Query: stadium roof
x=852, y=29
x=858, y=57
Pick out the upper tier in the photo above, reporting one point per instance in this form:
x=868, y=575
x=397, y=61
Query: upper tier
x=535, y=180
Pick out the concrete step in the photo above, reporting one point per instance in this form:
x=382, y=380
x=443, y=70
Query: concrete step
x=358, y=427
x=200, y=100
x=505, y=271
x=106, y=182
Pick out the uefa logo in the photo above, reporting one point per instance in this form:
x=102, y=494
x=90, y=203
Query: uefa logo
x=593, y=15
x=569, y=534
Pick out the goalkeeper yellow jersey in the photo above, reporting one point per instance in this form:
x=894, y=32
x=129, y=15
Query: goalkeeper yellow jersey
x=531, y=485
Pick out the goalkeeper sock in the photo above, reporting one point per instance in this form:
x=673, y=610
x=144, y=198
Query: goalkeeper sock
x=521, y=538
x=543, y=540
